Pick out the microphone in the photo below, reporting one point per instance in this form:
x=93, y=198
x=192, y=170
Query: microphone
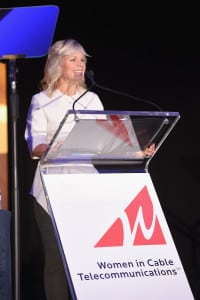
x=75, y=101
x=90, y=75
x=62, y=123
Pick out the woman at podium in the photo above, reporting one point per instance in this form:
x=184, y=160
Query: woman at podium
x=62, y=84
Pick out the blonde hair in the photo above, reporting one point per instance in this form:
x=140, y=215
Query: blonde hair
x=52, y=69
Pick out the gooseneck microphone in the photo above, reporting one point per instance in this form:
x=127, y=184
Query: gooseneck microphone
x=75, y=101
x=90, y=75
x=63, y=121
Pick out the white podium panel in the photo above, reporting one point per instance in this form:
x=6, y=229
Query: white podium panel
x=115, y=239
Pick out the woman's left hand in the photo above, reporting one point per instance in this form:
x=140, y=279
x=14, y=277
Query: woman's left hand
x=149, y=151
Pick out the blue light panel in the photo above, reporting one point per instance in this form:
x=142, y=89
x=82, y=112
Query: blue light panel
x=27, y=31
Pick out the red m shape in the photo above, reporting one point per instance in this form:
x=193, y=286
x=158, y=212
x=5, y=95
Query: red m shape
x=139, y=227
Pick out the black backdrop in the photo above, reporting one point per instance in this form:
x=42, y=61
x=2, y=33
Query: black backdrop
x=149, y=50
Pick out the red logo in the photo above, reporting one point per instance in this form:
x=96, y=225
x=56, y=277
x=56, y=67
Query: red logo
x=138, y=225
x=117, y=127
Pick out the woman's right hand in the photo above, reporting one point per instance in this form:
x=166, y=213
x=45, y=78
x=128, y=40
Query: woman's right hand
x=39, y=150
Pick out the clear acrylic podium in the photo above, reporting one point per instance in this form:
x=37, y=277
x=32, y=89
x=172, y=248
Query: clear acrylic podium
x=110, y=227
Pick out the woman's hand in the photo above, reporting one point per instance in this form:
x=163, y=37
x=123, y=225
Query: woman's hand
x=39, y=150
x=149, y=151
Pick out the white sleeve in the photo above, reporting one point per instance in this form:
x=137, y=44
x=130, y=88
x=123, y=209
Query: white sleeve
x=36, y=124
x=95, y=103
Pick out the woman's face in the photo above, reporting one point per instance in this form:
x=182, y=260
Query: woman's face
x=73, y=67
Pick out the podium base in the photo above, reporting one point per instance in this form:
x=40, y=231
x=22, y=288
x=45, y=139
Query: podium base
x=114, y=238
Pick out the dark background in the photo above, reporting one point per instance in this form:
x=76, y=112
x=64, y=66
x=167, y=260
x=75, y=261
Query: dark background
x=149, y=50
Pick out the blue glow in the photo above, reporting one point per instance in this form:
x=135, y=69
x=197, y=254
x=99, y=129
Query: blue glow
x=27, y=31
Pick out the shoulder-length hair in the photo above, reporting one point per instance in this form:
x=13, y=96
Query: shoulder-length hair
x=52, y=69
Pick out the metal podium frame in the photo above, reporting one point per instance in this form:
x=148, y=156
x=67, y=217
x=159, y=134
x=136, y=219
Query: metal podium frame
x=90, y=173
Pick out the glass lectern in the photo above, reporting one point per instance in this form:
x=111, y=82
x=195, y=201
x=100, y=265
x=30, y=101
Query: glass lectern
x=110, y=227
x=107, y=137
